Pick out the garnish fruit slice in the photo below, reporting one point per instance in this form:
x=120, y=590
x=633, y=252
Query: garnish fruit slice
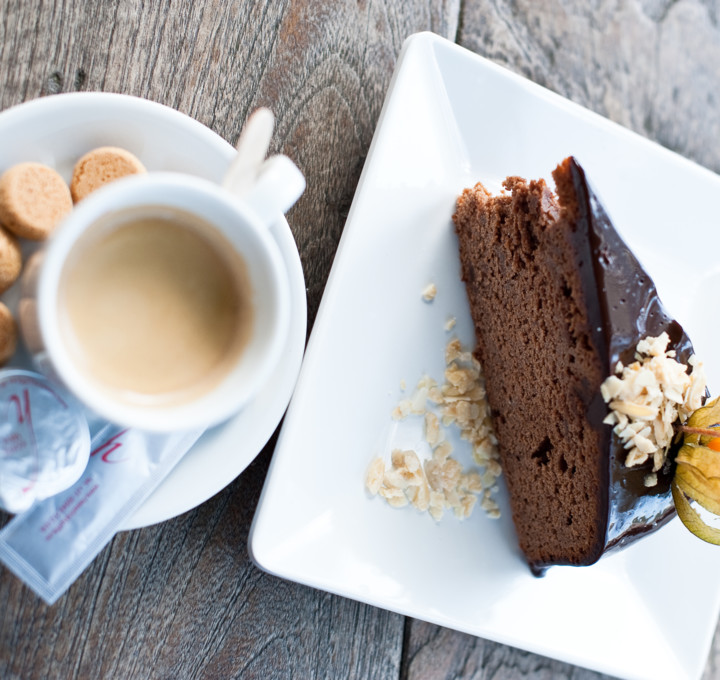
x=697, y=475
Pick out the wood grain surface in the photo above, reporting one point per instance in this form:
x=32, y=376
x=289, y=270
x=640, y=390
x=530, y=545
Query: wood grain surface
x=182, y=600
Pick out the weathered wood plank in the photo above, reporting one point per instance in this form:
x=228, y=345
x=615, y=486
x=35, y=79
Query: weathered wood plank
x=650, y=65
x=435, y=653
x=182, y=599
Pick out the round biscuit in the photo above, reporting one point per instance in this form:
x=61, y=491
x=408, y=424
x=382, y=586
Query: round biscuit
x=8, y=334
x=101, y=166
x=30, y=325
x=10, y=259
x=33, y=200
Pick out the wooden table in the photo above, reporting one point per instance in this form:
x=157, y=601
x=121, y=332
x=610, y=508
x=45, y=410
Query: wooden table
x=182, y=600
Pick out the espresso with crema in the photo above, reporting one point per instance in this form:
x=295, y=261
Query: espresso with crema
x=157, y=307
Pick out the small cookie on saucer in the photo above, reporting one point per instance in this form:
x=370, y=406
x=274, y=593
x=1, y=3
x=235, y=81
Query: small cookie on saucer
x=10, y=259
x=100, y=166
x=8, y=334
x=33, y=199
x=30, y=325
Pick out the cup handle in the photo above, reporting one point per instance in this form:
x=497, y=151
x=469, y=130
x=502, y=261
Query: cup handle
x=278, y=186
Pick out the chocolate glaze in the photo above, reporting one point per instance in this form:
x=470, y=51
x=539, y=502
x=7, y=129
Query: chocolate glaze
x=630, y=311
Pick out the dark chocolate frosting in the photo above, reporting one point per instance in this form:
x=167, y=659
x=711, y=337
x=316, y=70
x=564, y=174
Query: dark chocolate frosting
x=631, y=310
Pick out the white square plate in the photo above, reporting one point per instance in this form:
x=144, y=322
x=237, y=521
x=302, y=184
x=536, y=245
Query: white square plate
x=451, y=119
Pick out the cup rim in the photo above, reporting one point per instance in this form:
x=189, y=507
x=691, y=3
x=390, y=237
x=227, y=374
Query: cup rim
x=230, y=394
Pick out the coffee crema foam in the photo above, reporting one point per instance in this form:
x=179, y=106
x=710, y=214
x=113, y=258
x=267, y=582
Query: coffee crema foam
x=157, y=306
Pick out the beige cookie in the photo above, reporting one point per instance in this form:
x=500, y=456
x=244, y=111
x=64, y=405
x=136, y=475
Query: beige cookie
x=30, y=325
x=8, y=334
x=10, y=259
x=31, y=274
x=100, y=166
x=33, y=199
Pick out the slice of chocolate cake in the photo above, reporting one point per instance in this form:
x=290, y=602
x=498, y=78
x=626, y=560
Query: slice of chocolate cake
x=557, y=299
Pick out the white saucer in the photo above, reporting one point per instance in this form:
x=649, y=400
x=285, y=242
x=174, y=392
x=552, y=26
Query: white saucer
x=57, y=130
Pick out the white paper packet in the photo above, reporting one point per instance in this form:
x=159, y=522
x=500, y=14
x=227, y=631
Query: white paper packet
x=52, y=543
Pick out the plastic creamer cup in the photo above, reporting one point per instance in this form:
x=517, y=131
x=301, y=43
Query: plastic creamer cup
x=44, y=439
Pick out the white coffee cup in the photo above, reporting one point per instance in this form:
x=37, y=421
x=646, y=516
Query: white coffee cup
x=243, y=224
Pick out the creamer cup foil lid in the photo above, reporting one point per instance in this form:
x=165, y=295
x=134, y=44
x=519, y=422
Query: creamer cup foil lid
x=44, y=439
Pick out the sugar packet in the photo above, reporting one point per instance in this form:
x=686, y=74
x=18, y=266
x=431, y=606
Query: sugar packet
x=51, y=544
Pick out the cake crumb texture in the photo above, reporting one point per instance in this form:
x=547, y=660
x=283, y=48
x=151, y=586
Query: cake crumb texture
x=521, y=260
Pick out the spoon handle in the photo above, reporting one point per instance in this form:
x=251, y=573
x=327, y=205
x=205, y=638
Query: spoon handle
x=252, y=148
